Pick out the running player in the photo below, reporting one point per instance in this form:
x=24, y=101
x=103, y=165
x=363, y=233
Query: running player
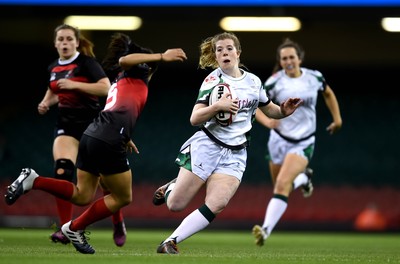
x=105, y=144
x=291, y=141
x=215, y=156
x=75, y=84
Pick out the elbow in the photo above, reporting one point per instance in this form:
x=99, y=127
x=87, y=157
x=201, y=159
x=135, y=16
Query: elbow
x=105, y=87
x=105, y=92
x=194, y=121
x=123, y=62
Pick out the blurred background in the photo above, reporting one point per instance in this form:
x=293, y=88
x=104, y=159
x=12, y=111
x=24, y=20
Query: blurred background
x=356, y=171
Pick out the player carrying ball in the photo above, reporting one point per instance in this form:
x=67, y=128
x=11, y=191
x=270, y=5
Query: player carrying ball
x=215, y=156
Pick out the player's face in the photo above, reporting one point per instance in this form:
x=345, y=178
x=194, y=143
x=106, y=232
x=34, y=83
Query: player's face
x=226, y=54
x=290, y=62
x=66, y=43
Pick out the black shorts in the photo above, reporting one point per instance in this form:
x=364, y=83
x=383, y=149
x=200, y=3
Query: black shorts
x=73, y=122
x=98, y=157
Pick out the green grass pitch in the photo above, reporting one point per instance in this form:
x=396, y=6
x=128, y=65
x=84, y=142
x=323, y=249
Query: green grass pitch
x=32, y=246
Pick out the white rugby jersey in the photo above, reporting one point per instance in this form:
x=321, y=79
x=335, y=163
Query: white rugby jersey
x=302, y=123
x=249, y=90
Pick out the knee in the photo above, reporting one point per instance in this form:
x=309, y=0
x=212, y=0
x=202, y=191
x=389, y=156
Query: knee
x=126, y=201
x=64, y=169
x=174, y=201
x=81, y=200
x=283, y=188
x=175, y=206
x=123, y=200
x=217, y=206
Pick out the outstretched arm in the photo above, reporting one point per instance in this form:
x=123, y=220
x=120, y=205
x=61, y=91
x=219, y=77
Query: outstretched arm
x=286, y=108
x=136, y=58
x=266, y=121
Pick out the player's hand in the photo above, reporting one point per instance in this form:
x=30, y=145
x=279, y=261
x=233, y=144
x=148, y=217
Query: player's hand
x=333, y=128
x=290, y=105
x=174, y=55
x=130, y=146
x=66, y=84
x=227, y=104
x=43, y=108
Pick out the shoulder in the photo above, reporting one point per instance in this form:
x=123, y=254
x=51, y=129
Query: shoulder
x=211, y=80
x=274, y=78
x=52, y=65
x=86, y=59
x=89, y=63
x=254, y=78
x=314, y=74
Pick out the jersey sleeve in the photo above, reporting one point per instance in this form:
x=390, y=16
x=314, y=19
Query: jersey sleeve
x=320, y=78
x=263, y=97
x=206, y=87
x=94, y=70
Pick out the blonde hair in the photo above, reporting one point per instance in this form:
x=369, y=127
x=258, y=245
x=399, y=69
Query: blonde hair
x=207, y=49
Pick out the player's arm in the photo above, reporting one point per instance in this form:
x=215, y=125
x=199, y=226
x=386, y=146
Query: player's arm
x=136, y=58
x=130, y=147
x=48, y=100
x=265, y=120
x=99, y=88
x=333, y=106
x=202, y=113
x=286, y=108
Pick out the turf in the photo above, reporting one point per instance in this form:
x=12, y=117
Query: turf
x=209, y=246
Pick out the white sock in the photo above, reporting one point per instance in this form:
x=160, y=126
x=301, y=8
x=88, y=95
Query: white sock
x=300, y=180
x=192, y=224
x=275, y=209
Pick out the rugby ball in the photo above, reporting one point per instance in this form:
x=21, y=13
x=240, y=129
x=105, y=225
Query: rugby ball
x=222, y=118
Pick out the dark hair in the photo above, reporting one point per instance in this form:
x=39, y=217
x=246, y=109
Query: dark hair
x=85, y=45
x=121, y=45
x=287, y=43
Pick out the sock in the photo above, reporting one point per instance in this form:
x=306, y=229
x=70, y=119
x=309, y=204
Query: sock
x=192, y=224
x=60, y=188
x=64, y=210
x=300, y=180
x=97, y=211
x=275, y=209
x=117, y=217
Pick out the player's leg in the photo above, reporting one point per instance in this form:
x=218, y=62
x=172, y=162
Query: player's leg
x=65, y=149
x=119, y=229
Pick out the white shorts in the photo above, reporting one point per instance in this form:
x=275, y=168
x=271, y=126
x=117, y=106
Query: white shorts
x=279, y=147
x=204, y=157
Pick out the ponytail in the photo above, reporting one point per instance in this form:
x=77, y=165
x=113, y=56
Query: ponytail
x=86, y=47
